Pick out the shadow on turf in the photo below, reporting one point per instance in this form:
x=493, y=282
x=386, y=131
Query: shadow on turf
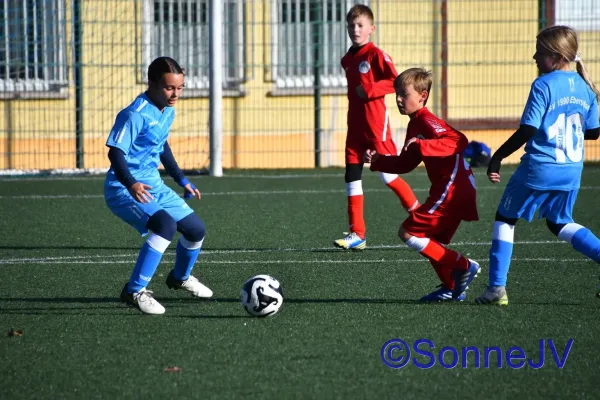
x=173, y=301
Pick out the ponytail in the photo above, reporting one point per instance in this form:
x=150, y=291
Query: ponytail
x=584, y=75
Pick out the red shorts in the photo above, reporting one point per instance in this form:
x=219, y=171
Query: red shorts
x=442, y=222
x=356, y=147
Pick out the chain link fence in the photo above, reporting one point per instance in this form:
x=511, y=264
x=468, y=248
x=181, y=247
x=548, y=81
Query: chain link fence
x=67, y=67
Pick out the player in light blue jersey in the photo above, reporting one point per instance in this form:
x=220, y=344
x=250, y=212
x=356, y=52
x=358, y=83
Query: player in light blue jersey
x=561, y=112
x=135, y=192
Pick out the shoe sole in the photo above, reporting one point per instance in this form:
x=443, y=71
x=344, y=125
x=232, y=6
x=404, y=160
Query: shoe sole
x=503, y=301
x=493, y=303
x=356, y=248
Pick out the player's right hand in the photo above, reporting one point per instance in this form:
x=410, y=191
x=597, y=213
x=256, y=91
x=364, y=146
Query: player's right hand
x=494, y=177
x=370, y=156
x=140, y=192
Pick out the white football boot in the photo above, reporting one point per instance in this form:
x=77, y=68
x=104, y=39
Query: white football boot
x=191, y=284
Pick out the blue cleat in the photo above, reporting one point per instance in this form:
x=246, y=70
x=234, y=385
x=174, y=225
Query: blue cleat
x=351, y=242
x=441, y=294
x=462, y=279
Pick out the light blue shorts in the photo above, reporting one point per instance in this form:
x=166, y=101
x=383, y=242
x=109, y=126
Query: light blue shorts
x=520, y=201
x=137, y=214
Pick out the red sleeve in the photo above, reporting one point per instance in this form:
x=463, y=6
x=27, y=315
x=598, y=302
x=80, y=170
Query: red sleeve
x=384, y=74
x=446, y=144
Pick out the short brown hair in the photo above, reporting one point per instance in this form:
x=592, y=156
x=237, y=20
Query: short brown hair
x=420, y=78
x=359, y=10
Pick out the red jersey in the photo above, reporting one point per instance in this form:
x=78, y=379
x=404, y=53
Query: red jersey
x=439, y=147
x=374, y=70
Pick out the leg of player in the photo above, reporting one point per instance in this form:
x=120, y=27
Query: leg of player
x=188, y=248
x=134, y=292
x=402, y=190
x=447, y=264
x=581, y=238
x=355, y=239
x=500, y=256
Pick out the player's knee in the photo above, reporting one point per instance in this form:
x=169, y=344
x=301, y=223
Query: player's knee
x=192, y=228
x=554, y=227
x=403, y=235
x=353, y=172
x=502, y=218
x=196, y=232
x=162, y=224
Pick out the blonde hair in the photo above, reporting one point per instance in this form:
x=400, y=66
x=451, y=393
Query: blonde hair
x=562, y=40
x=420, y=78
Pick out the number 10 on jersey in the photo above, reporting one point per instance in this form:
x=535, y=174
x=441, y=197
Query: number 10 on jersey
x=568, y=135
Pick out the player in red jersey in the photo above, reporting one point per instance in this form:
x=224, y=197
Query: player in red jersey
x=452, y=196
x=370, y=74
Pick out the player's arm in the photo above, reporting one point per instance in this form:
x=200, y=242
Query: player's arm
x=118, y=163
x=384, y=74
x=445, y=144
x=593, y=125
x=592, y=134
x=119, y=166
x=168, y=161
x=514, y=143
x=401, y=164
x=124, y=132
x=531, y=120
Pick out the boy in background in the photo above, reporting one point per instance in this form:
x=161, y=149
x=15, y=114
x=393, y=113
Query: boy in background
x=370, y=74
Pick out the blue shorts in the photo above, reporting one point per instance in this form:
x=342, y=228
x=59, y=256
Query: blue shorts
x=520, y=201
x=137, y=214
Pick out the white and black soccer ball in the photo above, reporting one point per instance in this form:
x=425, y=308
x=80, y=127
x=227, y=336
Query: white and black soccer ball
x=262, y=296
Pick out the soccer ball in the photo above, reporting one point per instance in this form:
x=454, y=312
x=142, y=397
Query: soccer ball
x=262, y=296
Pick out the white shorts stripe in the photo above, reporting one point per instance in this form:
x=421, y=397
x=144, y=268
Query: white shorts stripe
x=450, y=182
x=385, y=125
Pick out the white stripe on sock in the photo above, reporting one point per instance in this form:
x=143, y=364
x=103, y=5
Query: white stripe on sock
x=158, y=243
x=387, y=178
x=504, y=232
x=354, y=188
x=415, y=205
x=190, y=245
x=417, y=243
x=568, y=231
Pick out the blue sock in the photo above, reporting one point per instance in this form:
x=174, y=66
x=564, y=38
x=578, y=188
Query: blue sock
x=147, y=262
x=186, y=255
x=501, y=253
x=585, y=242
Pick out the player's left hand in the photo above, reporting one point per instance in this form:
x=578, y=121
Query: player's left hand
x=409, y=142
x=360, y=92
x=494, y=177
x=191, y=191
x=493, y=170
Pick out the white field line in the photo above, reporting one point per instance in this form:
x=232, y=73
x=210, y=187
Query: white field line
x=379, y=261
x=100, y=174
x=240, y=193
x=5, y=178
x=90, y=258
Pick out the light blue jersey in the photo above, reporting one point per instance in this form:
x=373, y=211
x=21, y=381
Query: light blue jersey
x=562, y=106
x=141, y=131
